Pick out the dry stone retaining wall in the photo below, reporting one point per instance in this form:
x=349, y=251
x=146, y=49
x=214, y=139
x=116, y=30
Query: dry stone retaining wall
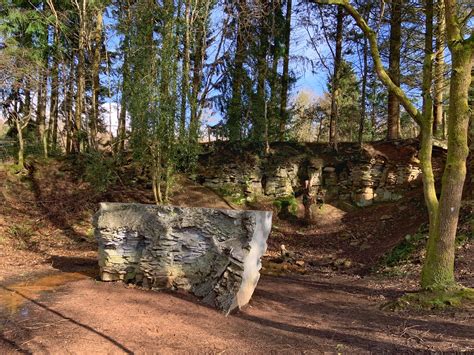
x=359, y=176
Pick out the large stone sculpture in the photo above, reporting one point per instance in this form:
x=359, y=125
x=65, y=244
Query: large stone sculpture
x=213, y=253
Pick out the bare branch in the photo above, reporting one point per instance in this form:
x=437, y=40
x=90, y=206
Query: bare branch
x=374, y=51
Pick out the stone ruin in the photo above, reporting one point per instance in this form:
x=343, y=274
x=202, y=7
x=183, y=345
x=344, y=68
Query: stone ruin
x=212, y=253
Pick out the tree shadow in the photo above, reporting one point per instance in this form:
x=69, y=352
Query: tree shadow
x=13, y=346
x=70, y=320
x=352, y=311
x=56, y=207
x=339, y=337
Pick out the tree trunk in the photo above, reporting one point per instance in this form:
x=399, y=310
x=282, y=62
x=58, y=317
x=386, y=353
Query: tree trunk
x=259, y=111
x=78, y=136
x=54, y=102
x=393, y=120
x=21, y=143
x=439, y=72
x=363, y=99
x=68, y=107
x=438, y=268
x=235, y=108
x=27, y=106
x=185, y=70
x=426, y=128
x=94, y=119
x=333, y=135
x=273, y=109
x=198, y=62
x=285, y=80
x=41, y=112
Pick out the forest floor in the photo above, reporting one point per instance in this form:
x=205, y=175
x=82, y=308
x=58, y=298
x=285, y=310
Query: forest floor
x=327, y=296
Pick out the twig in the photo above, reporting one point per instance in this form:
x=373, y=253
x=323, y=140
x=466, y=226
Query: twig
x=46, y=325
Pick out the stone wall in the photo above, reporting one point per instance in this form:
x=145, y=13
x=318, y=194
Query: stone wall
x=212, y=253
x=374, y=173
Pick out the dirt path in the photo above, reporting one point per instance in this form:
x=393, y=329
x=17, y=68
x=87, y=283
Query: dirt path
x=51, y=303
x=287, y=314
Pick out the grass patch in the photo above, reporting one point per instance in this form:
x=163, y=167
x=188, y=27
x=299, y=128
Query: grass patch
x=455, y=297
x=21, y=234
x=233, y=193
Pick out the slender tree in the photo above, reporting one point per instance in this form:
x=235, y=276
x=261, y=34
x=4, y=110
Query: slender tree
x=285, y=79
x=335, y=92
x=439, y=69
x=393, y=119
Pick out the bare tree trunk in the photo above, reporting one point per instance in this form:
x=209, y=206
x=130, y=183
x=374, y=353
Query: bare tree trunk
x=393, y=120
x=259, y=112
x=68, y=107
x=439, y=71
x=78, y=136
x=54, y=102
x=273, y=110
x=285, y=81
x=27, y=106
x=199, y=54
x=235, y=107
x=41, y=112
x=96, y=58
x=21, y=143
x=333, y=134
x=363, y=99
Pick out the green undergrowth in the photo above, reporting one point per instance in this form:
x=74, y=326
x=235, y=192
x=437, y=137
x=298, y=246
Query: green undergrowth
x=286, y=204
x=233, y=193
x=21, y=234
x=98, y=170
x=410, y=250
x=406, y=251
x=454, y=297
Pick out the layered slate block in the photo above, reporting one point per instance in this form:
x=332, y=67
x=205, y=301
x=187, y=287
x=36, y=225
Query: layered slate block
x=212, y=253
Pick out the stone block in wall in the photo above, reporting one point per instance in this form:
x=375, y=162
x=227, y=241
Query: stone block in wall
x=253, y=188
x=212, y=253
x=391, y=178
x=382, y=195
x=278, y=187
x=363, y=197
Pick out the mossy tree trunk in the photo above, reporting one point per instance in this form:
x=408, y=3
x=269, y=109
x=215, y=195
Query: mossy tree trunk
x=438, y=269
x=439, y=69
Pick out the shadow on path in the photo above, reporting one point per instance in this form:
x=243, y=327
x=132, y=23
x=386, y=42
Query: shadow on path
x=73, y=321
